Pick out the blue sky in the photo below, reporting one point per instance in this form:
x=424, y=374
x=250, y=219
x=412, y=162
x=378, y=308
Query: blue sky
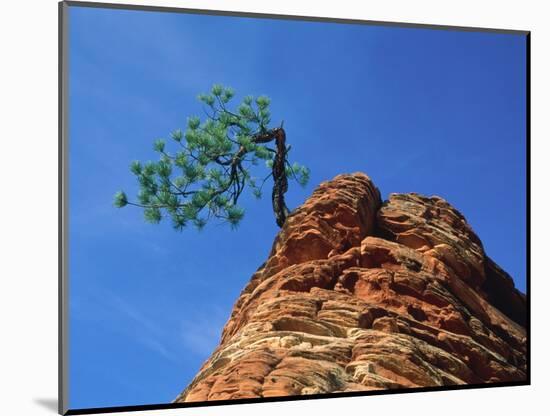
x=419, y=110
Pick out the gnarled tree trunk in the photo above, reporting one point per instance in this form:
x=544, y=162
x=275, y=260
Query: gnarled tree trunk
x=280, y=181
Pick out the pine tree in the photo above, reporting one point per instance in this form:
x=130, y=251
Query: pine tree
x=211, y=166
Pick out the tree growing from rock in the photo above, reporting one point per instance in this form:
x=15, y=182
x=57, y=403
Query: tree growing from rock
x=212, y=164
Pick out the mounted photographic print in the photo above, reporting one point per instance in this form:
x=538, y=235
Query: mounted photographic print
x=262, y=208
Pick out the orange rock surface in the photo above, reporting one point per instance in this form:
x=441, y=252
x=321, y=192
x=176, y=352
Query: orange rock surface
x=361, y=295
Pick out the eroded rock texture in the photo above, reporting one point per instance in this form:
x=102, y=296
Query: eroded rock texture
x=359, y=295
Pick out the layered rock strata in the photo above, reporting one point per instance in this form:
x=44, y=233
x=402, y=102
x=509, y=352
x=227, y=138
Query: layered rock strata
x=362, y=295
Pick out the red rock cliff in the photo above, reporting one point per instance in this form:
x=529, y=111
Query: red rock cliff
x=359, y=295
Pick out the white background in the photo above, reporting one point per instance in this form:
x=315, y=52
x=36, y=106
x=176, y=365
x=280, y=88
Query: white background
x=28, y=209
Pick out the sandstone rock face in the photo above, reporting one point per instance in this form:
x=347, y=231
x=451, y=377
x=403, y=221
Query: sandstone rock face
x=362, y=295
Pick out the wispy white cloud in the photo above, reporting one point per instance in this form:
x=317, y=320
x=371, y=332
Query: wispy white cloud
x=201, y=332
x=197, y=333
x=132, y=313
x=155, y=345
x=146, y=331
x=127, y=319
